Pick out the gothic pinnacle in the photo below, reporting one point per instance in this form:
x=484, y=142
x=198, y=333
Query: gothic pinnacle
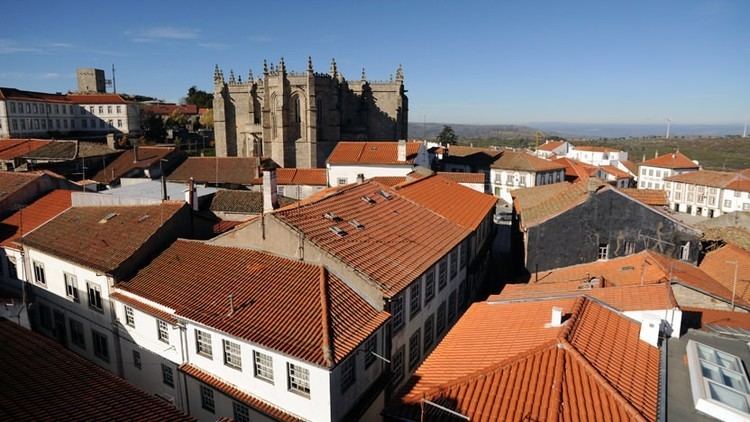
x=334, y=69
x=231, y=76
x=282, y=66
x=309, y=64
x=265, y=67
x=250, y=76
x=364, y=77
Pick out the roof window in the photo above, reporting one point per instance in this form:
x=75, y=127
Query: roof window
x=357, y=224
x=143, y=218
x=332, y=216
x=385, y=194
x=108, y=217
x=718, y=381
x=338, y=231
x=368, y=200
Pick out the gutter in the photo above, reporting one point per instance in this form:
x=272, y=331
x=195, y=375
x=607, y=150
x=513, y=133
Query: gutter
x=663, y=374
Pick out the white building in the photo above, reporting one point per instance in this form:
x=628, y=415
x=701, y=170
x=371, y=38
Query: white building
x=596, y=155
x=297, y=183
x=652, y=172
x=281, y=340
x=348, y=160
x=551, y=149
x=26, y=114
x=517, y=169
x=709, y=193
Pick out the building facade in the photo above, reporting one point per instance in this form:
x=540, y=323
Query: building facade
x=517, y=170
x=709, y=193
x=350, y=160
x=651, y=173
x=296, y=118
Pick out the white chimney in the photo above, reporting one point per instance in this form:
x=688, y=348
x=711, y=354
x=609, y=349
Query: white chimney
x=650, y=330
x=401, y=151
x=360, y=178
x=191, y=197
x=270, y=201
x=557, y=314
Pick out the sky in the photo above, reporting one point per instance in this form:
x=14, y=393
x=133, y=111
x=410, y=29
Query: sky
x=494, y=62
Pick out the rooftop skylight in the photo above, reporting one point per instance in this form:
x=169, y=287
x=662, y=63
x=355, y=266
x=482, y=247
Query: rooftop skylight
x=719, y=383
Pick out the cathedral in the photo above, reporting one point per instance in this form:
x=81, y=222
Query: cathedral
x=296, y=118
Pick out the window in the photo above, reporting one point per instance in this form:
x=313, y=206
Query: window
x=109, y=109
x=397, y=366
x=442, y=274
x=91, y=109
x=429, y=332
x=35, y=107
x=727, y=203
x=719, y=383
x=76, y=333
x=348, y=372
x=746, y=207
x=117, y=108
x=207, y=399
x=15, y=124
x=129, y=317
x=45, y=317
x=95, y=296
x=522, y=180
x=454, y=262
x=167, y=377
x=203, y=344
x=101, y=348
x=65, y=123
x=341, y=181
x=28, y=108
x=463, y=294
x=603, y=251
x=643, y=171
x=685, y=251
x=109, y=122
x=650, y=172
x=452, y=299
x=232, y=355
x=119, y=122
x=415, y=298
x=677, y=196
x=415, y=349
x=298, y=379
x=263, y=365
x=101, y=109
x=13, y=107
x=240, y=411
x=429, y=287
x=371, y=345
x=397, y=310
x=71, y=287
x=163, y=331
x=137, y=359
x=85, y=123
x=737, y=194
x=101, y=123
x=39, y=273
x=440, y=320
x=509, y=179
x=629, y=248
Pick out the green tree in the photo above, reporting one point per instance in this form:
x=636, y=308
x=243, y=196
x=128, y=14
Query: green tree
x=447, y=136
x=207, y=119
x=176, y=119
x=152, y=126
x=200, y=98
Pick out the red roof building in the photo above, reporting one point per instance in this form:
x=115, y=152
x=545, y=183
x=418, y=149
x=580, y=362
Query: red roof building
x=32, y=216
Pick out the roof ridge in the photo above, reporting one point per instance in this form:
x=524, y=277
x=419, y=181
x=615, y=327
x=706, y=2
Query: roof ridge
x=327, y=344
x=420, y=205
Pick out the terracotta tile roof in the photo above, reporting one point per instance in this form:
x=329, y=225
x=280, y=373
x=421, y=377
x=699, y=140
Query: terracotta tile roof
x=35, y=381
x=231, y=170
x=551, y=145
x=519, y=160
x=242, y=201
x=671, y=160
x=631, y=166
x=388, y=180
x=69, y=150
x=464, y=151
x=224, y=226
x=81, y=234
x=391, y=251
x=32, y=216
x=538, y=204
x=141, y=305
x=708, y=318
x=126, y=163
x=347, y=152
x=463, y=177
x=645, y=267
x=717, y=265
x=18, y=94
x=167, y=109
x=592, y=368
x=295, y=176
x=624, y=298
x=466, y=207
x=594, y=148
x=576, y=170
x=238, y=394
x=11, y=149
x=11, y=182
x=96, y=99
x=717, y=179
x=614, y=171
x=652, y=197
x=195, y=279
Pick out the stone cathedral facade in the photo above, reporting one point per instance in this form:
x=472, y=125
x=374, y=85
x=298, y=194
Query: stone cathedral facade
x=296, y=118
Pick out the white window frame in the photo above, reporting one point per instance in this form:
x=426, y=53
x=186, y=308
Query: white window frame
x=203, y=344
x=39, y=275
x=129, y=316
x=701, y=386
x=298, y=379
x=232, y=354
x=71, y=287
x=263, y=366
x=603, y=252
x=162, y=331
x=94, y=295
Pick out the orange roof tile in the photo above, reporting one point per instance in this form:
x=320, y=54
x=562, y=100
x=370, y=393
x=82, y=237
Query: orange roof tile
x=717, y=318
x=594, y=148
x=33, y=216
x=390, y=251
x=614, y=171
x=11, y=182
x=13, y=148
x=719, y=264
x=576, y=170
x=551, y=145
x=466, y=207
x=147, y=157
x=348, y=152
x=18, y=94
x=652, y=197
x=631, y=166
x=298, y=176
x=519, y=160
x=37, y=379
x=624, y=298
x=81, y=234
x=96, y=98
x=717, y=179
x=538, y=204
x=388, y=180
x=671, y=160
x=195, y=279
x=237, y=394
x=463, y=177
x=231, y=170
x=594, y=367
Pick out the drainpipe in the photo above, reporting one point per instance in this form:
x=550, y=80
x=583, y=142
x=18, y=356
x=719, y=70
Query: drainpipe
x=663, y=373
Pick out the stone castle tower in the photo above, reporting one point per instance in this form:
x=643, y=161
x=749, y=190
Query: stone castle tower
x=296, y=118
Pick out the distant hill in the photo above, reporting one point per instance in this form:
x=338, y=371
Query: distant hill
x=474, y=132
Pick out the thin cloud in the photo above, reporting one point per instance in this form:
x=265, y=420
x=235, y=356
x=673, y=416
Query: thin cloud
x=12, y=47
x=261, y=39
x=213, y=45
x=163, y=33
x=35, y=75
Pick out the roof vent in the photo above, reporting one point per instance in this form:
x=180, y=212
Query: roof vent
x=650, y=330
x=357, y=224
x=368, y=200
x=143, y=218
x=557, y=316
x=385, y=194
x=338, y=231
x=108, y=217
x=332, y=216
x=627, y=268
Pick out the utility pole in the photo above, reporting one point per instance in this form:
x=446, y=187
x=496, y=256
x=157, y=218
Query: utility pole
x=114, y=83
x=734, y=284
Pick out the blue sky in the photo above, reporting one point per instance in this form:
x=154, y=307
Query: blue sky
x=510, y=62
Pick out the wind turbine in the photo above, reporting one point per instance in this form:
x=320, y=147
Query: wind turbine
x=669, y=123
x=744, y=132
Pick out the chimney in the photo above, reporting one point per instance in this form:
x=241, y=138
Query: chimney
x=164, y=195
x=650, y=330
x=557, y=314
x=401, y=151
x=231, y=304
x=360, y=178
x=111, y=140
x=270, y=201
x=190, y=195
x=135, y=151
